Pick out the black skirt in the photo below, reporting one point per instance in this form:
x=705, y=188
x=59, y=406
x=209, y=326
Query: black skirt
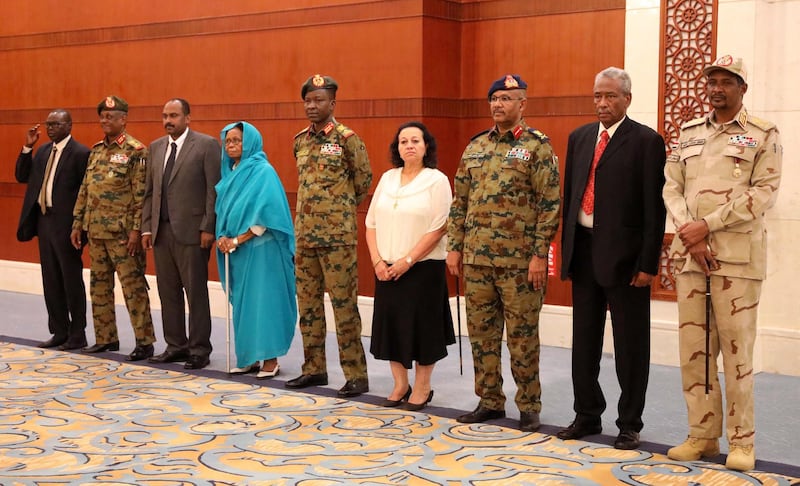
x=411, y=320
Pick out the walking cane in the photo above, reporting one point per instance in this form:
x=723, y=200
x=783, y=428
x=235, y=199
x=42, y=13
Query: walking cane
x=227, y=312
x=458, y=313
x=708, y=330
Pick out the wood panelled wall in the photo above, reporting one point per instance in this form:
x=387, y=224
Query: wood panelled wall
x=395, y=60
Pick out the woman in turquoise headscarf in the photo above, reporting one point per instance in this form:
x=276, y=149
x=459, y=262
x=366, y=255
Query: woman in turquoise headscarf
x=254, y=226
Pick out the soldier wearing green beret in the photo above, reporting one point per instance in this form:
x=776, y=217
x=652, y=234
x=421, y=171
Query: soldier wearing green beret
x=504, y=215
x=109, y=210
x=334, y=177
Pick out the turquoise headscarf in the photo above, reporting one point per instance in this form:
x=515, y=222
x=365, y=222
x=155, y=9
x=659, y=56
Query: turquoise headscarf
x=262, y=284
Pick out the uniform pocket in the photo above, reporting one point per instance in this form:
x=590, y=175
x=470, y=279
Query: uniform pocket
x=690, y=157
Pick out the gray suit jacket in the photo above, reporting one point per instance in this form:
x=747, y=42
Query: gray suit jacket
x=190, y=191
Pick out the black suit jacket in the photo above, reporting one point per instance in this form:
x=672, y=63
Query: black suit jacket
x=190, y=191
x=629, y=212
x=66, y=184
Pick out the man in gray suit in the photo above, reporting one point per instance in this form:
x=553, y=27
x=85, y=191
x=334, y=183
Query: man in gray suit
x=178, y=224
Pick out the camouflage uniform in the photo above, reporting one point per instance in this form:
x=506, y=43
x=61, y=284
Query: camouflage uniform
x=727, y=175
x=334, y=177
x=505, y=211
x=109, y=206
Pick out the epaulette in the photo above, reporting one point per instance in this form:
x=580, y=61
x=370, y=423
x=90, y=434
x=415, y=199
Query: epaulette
x=344, y=131
x=536, y=133
x=693, y=123
x=761, y=123
x=302, y=131
x=479, y=134
x=137, y=145
x=101, y=142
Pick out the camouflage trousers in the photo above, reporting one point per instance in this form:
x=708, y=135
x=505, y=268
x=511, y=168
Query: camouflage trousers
x=734, y=308
x=494, y=296
x=108, y=256
x=334, y=269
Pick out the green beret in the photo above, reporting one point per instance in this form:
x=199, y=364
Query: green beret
x=112, y=103
x=316, y=82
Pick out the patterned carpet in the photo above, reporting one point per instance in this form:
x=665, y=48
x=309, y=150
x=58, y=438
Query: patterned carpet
x=68, y=418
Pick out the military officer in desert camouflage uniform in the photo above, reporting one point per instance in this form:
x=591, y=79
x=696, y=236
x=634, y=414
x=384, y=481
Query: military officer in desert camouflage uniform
x=721, y=178
x=334, y=177
x=505, y=213
x=109, y=210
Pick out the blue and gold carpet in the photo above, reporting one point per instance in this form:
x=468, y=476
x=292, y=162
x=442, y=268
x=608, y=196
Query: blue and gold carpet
x=67, y=418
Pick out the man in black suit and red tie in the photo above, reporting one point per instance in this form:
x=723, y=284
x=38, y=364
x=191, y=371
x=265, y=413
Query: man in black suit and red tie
x=178, y=223
x=54, y=175
x=611, y=244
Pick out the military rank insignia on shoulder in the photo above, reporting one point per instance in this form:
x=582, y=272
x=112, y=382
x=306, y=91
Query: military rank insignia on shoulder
x=302, y=131
x=480, y=133
x=761, y=123
x=344, y=131
x=538, y=134
x=693, y=123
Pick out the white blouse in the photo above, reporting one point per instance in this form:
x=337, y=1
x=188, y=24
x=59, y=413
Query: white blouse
x=402, y=215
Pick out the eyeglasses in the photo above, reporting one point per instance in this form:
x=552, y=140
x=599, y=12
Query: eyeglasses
x=54, y=124
x=233, y=141
x=503, y=99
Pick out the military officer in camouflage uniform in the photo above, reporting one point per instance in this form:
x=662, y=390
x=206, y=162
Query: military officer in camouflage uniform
x=505, y=213
x=109, y=210
x=334, y=177
x=721, y=178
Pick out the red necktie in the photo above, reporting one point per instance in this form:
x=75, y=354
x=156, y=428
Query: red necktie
x=588, y=195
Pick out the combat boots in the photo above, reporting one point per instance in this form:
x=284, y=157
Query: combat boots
x=741, y=457
x=693, y=449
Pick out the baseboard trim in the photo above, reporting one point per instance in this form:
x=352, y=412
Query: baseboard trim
x=775, y=352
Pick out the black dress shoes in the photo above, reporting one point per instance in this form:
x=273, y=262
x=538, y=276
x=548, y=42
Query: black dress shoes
x=354, y=388
x=100, y=347
x=140, y=352
x=481, y=414
x=529, y=421
x=52, y=342
x=196, y=362
x=576, y=430
x=415, y=407
x=169, y=357
x=627, y=440
x=304, y=381
x=396, y=403
x=73, y=343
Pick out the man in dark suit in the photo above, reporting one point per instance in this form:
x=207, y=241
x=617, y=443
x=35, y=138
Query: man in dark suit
x=611, y=244
x=54, y=176
x=178, y=223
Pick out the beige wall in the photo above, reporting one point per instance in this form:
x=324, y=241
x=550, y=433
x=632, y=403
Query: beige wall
x=765, y=34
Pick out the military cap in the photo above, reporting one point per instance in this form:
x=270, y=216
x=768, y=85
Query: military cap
x=112, y=103
x=316, y=82
x=733, y=65
x=509, y=81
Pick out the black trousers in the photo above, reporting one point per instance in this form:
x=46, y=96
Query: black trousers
x=62, y=276
x=630, y=318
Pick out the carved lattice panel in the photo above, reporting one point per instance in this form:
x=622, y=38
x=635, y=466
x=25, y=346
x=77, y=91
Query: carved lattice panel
x=688, y=44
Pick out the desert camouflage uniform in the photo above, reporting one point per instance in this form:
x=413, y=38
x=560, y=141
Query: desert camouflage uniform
x=505, y=211
x=334, y=177
x=727, y=175
x=109, y=205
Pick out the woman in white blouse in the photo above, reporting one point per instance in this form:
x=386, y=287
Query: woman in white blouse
x=406, y=226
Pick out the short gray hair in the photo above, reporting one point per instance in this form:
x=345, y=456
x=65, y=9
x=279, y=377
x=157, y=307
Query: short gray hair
x=616, y=73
